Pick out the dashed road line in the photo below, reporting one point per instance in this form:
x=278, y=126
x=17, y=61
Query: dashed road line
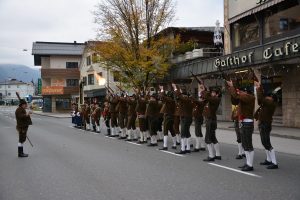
x=235, y=170
x=172, y=153
x=134, y=143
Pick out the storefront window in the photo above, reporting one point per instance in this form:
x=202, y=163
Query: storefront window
x=63, y=104
x=245, y=32
x=282, y=19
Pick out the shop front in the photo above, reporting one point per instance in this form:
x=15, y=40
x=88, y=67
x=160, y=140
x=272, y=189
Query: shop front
x=277, y=65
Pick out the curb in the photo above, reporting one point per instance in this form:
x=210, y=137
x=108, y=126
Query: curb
x=272, y=134
x=41, y=114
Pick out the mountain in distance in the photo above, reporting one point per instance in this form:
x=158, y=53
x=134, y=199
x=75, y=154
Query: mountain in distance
x=19, y=72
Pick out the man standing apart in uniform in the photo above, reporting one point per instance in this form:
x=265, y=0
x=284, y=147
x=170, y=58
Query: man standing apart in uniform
x=23, y=121
x=246, y=106
x=264, y=116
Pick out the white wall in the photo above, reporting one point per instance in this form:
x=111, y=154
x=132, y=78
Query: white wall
x=59, y=62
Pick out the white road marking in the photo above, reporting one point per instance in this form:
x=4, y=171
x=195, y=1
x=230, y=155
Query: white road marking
x=180, y=155
x=235, y=170
x=111, y=137
x=134, y=143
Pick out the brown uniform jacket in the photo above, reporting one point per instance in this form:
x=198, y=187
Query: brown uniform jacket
x=168, y=106
x=113, y=101
x=152, y=109
x=122, y=105
x=198, y=107
x=185, y=105
x=131, y=106
x=246, y=103
x=211, y=106
x=267, y=107
x=141, y=106
x=23, y=120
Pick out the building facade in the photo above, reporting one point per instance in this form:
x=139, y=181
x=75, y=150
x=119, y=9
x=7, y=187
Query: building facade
x=9, y=88
x=263, y=36
x=59, y=73
x=95, y=76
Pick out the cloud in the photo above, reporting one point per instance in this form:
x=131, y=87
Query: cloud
x=26, y=21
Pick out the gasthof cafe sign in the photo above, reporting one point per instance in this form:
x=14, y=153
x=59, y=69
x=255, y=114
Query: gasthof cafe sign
x=269, y=53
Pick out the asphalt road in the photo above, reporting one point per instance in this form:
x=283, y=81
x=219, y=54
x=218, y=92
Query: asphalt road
x=70, y=164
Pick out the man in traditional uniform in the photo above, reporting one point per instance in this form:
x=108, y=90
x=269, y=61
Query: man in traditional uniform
x=235, y=118
x=112, y=99
x=122, y=118
x=106, y=117
x=141, y=110
x=131, y=128
x=264, y=116
x=96, y=116
x=186, y=118
x=23, y=121
x=246, y=110
x=152, y=112
x=177, y=121
x=213, y=101
x=167, y=110
x=198, y=107
x=93, y=107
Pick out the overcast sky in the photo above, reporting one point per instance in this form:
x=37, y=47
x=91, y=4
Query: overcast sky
x=25, y=21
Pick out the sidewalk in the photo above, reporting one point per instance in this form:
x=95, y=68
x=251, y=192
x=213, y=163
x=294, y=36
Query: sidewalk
x=56, y=115
x=283, y=132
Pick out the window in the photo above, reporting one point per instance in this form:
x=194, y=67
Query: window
x=72, y=82
x=96, y=58
x=18, y=86
x=245, y=31
x=91, y=79
x=8, y=86
x=116, y=76
x=63, y=104
x=88, y=60
x=84, y=80
x=9, y=94
x=282, y=19
x=71, y=65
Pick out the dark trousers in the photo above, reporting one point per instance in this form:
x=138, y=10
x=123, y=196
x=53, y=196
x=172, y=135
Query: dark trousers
x=113, y=120
x=143, y=124
x=168, y=125
x=160, y=123
x=22, y=133
x=131, y=122
x=198, y=123
x=122, y=120
x=247, y=129
x=237, y=131
x=185, y=123
x=176, y=124
x=210, y=135
x=264, y=131
x=153, y=124
x=106, y=120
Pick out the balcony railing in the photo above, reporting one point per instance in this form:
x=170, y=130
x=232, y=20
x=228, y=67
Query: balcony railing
x=57, y=73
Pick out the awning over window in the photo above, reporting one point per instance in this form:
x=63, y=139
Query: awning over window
x=255, y=10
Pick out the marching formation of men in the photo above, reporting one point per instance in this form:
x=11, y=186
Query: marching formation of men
x=173, y=111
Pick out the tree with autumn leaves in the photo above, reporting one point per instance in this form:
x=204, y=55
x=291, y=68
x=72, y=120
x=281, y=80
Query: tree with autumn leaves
x=131, y=39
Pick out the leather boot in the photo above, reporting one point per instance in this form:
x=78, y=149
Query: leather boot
x=21, y=154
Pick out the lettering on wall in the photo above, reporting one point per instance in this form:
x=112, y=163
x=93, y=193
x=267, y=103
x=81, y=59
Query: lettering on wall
x=287, y=49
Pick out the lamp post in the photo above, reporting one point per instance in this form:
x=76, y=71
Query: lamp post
x=81, y=85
